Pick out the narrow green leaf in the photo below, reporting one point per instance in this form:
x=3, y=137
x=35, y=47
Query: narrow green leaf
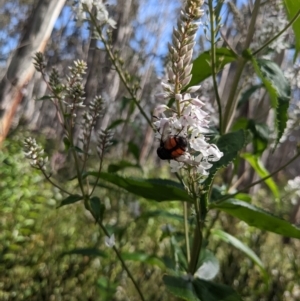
x=45, y=97
x=230, y=144
x=257, y=217
x=78, y=150
x=70, y=200
x=260, y=132
x=242, y=247
x=180, y=287
x=134, y=149
x=246, y=94
x=85, y=252
x=154, y=189
x=209, y=265
x=126, y=102
x=161, y=213
x=210, y=291
x=97, y=208
x=66, y=143
x=115, y=124
x=145, y=258
x=243, y=197
x=262, y=74
x=276, y=77
x=199, y=290
x=278, y=88
x=121, y=165
x=292, y=8
x=202, y=64
x=258, y=166
x=107, y=288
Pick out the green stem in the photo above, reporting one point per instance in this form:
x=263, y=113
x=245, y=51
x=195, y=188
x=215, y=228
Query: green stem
x=54, y=184
x=88, y=207
x=123, y=264
x=74, y=153
x=195, y=250
x=186, y=224
x=226, y=197
x=118, y=68
x=99, y=170
x=233, y=97
x=213, y=61
x=197, y=242
x=278, y=34
x=212, y=223
x=186, y=231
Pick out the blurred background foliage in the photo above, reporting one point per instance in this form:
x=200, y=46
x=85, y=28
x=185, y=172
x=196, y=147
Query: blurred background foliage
x=35, y=237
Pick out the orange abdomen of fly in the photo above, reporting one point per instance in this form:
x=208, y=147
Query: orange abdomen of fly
x=172, y=148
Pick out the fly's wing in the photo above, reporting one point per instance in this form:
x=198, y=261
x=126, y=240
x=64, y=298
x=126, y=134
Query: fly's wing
x=164, y=129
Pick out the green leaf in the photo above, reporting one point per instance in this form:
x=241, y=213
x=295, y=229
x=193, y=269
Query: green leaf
x=246, y=94
x=67, y=143
x=257, y=217
x=45, y=97
x=260, y=133
x=292, y=8
x=107, y=288
x=258, y=166
x=134, y=149
x=209, y=265
x=180, y=287
x=243, y=197
x=85, y=252
x=121, y=166
x=240, y=246
x=210, y=291
x=262, y=74
x=230, y=144
x=154, y=189
x=115, y=124
x=161, y=213
x=199, y=290
x=202, y=64
x=78, y=150
x=97, y=208
x=278, y=88
x=145, y=258
x=71, y=199
x=124, y=102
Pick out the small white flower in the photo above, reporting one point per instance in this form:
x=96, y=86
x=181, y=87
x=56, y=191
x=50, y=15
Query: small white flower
x=110, y=241
x=193, y=89
x=160, y=109
x=176, y=166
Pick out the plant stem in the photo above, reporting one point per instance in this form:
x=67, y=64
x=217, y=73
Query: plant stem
x=226, y=197
x=233, y=97
x=278, y=34
x=118, y=68
x=186, y=231
x=196, y=250
x=197, y=241
x=186, y=224
x=213, y=61
x=54, y=184
x=88, y=207
x=123, y=263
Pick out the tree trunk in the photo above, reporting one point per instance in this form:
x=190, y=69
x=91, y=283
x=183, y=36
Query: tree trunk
x=21, y=69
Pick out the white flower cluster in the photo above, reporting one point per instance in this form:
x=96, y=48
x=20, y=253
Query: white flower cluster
x=293, y=190
x=192, y=124
x=101, y=12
